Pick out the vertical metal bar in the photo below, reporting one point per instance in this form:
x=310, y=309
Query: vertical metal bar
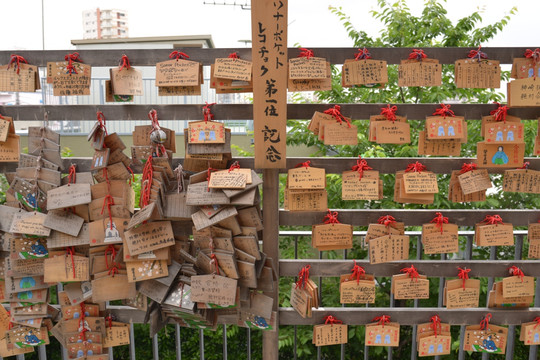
x=342, y=347
x=249, y=344
x=20, y=357
x=178, y=342
x=131, y=341
x=415, y=302
x=468, y=255
x=42, y=352
x=366, y=348
x=295, y=327
x=155, y=347
x=389, y=348
x=518, y=252
x=111, y=353
x=319, y=350
x=201, y=344
x=533, y=350
x=225, y=354
x=271, y=248
x=492, y=256
x=440, y=295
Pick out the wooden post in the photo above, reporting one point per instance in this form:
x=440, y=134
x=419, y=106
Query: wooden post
x=271, y=248
x=269, y=56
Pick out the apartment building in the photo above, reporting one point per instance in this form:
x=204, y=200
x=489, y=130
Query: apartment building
x=105, y=24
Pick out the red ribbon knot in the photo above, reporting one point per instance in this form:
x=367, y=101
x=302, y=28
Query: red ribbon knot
x=416, y=167
x=464, y=275
x=387, y=220
x=535, y=55
x=362, y=54
x=72, y=176
x=537, y=319
x=383, y=319
x=439, y=220
x=525, y=165
x=477, y=54
x=331, y=320
x=307, y=53
x=235, y=165
x=124, y=63
x=208, y=116
x=389, y=112
x=493, y=220
x=499, y=114
x=17, y=60
x=468, y=167
x=336, y=114
x=178, y=55
x=234, y=55
x=444, y=111
x=303, y=277
x=70, y=58
x=331, y=218
x=305, y=164
x=412, y=272
x=484, y=323
x=436, y=324
x=417, y=54
x=515, y=271
x=361, y=166
x=357, y=272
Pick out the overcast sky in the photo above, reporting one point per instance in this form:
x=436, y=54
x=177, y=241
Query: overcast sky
x=310, y=22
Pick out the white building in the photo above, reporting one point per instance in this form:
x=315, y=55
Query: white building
x=105, y=24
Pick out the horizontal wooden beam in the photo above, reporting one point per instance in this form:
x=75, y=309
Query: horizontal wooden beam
x=430, y=268
x=149, y=57
x=332, y=165
x=129, y=112
x=411, y=217
x=409, y=316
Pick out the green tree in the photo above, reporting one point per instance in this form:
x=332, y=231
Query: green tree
x=432, y=28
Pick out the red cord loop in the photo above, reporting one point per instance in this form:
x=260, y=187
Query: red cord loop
x=71, y=251
x=235, y=165
x=178, y=55
x=208, y=116
x=412, y=272
x=416, y=167
x=362, y=54
x=493, y=220
x=439, y=220
x=72, y=176
x=303, y=277
x=484, y=324
x=307, y=53
x=436, y=324
x=515, y=271
x=468, y=167
x=214, y=261
x=331, y=218
x=389, y=112
x=361, y=166
x=525, y=165
x=387, y=220
x=417, y=54
x=444, y=111
x=464, y=275
x=17, y=60
x=331, y=320
x=234, y=55
x=124, y=63
x=305, y=164
x=70, y=58
x=535, y=55
x=499, y=114
x=477, y=54
x=383, y=319
x=357, y=272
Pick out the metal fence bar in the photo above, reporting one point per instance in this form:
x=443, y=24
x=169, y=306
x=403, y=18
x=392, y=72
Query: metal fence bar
x=131, y=341
x=319, y=349
x=342, y=346
x=201, y=344
x=492, y=256
x=415, y=302
x=178, y=342
x=249, y=344
x=42, y=352
x=225, y=353
x=533, y=351
x=441, y=293
x=518, y=254
x=155, y=347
